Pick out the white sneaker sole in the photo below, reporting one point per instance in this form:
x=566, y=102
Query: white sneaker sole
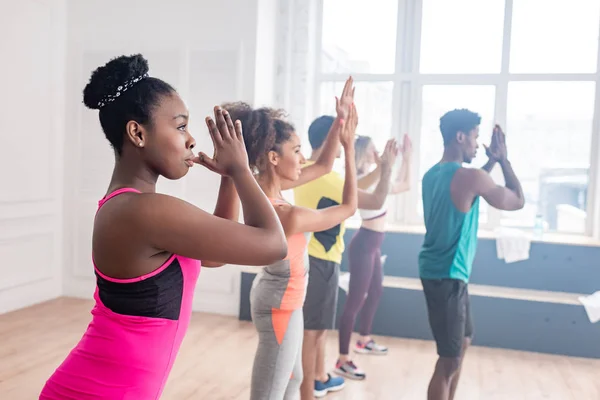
x=322, y=393
x=365, y=351
x=349, y=376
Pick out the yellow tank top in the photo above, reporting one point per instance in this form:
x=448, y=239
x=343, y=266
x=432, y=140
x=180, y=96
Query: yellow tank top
x=321, y=193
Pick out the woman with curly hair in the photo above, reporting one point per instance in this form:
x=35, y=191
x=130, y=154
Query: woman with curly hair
x=278, y=291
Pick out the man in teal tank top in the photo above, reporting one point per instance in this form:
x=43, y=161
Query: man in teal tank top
x=451, y=195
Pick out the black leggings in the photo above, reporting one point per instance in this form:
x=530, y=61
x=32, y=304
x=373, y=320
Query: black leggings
x=366, y=280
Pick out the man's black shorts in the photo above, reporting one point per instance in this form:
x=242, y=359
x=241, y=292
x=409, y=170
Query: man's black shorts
x=449, y=312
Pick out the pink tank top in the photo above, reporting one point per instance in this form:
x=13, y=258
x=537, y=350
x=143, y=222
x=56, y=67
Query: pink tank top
x=136, y=330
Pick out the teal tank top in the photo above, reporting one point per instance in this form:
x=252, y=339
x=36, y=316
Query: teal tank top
x=451, y=235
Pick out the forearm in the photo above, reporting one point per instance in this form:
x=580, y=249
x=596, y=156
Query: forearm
x=228, y=205
x=331, y=146
x=350, y=194
x=375, y=200
x=511, y=181
x=489, y=165
x=370, y=179
x=258, y=210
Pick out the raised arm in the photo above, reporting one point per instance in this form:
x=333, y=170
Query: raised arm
x=489, y=165
x=370, y=179
x=176, y=226
x=376, y=199
x=509, y=197
x=228, y=202
x=324, y=163
x=299, y=219
x=228, y=207
x=492, y=161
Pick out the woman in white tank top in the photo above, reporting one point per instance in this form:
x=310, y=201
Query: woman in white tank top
x=364, y=254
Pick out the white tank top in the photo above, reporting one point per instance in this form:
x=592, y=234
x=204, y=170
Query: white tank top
x=367, y=215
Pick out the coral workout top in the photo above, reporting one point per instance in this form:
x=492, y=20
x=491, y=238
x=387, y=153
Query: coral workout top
x=283, y=283
x=137, y=327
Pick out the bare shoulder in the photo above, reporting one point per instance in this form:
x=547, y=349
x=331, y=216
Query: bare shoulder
x=465, y=186
x=470, y=179
x=292, y=217
x=148, y=213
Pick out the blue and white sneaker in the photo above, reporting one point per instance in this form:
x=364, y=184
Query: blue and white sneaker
x=333, y=384
x=349, y=370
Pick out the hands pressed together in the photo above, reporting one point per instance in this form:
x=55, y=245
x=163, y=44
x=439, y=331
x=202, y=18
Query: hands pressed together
x=497, y=149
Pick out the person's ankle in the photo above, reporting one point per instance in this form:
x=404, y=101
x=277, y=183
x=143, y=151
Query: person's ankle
x=365, y=339
x=343, y=358
x=322, y=378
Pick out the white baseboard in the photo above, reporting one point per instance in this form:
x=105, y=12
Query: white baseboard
x=217, y=304
x=22, y=296
x=82, y=288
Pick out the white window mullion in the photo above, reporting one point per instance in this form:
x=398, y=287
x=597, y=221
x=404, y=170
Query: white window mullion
x=338, y=77
x=398, y=99
x=411, y=112
x=316, y=106
x=414, y=123
x=495, y=215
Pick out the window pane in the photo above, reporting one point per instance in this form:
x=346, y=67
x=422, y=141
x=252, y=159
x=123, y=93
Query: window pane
x=549, y=133
x=374, y=106
x=359, y=36
x=554, y=36
x=462, y=36
x=439, y=99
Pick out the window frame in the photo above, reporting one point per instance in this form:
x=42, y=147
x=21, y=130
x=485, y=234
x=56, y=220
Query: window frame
x=407, y=105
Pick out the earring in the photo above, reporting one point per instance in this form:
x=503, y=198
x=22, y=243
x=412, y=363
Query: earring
x=141, y=144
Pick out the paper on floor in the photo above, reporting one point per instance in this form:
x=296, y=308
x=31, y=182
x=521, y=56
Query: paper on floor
x=592, y=306
x=512, y=245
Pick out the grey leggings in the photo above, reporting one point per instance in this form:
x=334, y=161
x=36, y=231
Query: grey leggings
x=277, y=369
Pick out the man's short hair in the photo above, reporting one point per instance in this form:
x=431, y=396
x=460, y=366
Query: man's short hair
x=458, y=120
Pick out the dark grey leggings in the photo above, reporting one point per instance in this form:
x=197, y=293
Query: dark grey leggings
x=366, y=280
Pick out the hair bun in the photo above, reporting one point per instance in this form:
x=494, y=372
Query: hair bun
x=106, y=80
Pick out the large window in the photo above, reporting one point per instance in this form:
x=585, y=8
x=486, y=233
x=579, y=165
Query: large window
x=529, y=65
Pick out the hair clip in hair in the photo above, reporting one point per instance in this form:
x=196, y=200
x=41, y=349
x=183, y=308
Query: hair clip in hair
x=120, y=89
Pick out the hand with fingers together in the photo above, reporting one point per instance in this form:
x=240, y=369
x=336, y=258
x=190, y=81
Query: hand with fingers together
x=345, y=101
x=229, y=157
x=389, y=155
x=406, y=147
x=497, y=149
x=348, y=133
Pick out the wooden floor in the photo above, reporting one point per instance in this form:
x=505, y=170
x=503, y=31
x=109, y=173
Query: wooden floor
x=215, y=362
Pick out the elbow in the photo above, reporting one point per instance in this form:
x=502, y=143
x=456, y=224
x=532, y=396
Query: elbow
x=513, y=205
x=352, y=208
x=212, y=264
x=278, y=249
x=325, y=167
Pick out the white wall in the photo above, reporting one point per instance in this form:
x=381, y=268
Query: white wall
x=32, y=73
x=266, y=37
x=207, y=50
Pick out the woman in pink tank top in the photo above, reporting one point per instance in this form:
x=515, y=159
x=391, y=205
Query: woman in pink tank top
x=146, y=246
